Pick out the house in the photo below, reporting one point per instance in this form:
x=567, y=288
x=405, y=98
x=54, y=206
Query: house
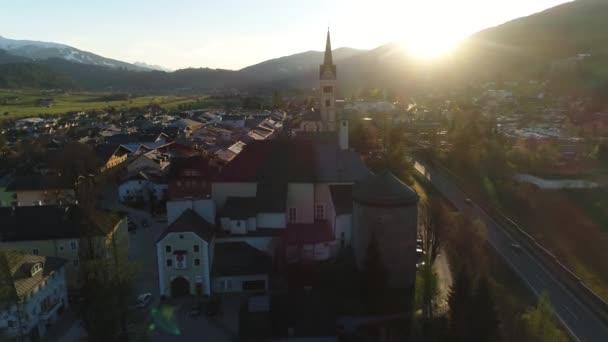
x=56, y=231
x=185, y=254
x=190, y=178
x=39, y=285
x=111, y=156
x=192, y=262
x=143, y=186
x=42, y=190
x=187, y=125
x=311, y=122
x=152, y=160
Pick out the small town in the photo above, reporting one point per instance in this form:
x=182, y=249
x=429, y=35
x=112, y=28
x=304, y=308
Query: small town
x=345, y=203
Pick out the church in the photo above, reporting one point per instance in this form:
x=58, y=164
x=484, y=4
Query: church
x=324, y=119
x=288, y=201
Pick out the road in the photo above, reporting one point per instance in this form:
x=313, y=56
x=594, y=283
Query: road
x=582, y=323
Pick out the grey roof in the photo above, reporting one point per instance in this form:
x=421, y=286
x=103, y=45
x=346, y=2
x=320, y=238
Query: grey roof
x=49, y=223
x=384, y=189
x=271, y=198
x=21, y=264
x=239, y=258
x=342, y=198
x=190, y=221
x=239, y=207
x=336, y=165
x=39, y=182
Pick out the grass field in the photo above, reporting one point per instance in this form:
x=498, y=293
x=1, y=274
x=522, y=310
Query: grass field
x=26, y=105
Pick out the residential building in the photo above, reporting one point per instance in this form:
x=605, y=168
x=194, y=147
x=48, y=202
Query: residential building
x=36, y=296
x=111, y=156
x=42, y=190
x=57, y=231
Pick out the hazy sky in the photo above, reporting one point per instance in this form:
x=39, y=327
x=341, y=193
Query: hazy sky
x=236, y=33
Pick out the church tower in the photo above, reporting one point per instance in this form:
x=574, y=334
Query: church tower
x=328, y=81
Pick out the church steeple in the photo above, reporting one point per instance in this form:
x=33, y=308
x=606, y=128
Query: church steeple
x=327, y=70
x=328, y=60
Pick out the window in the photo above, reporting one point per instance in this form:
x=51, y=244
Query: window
x=75, y=263
x=291, y=215
x=328, y=89
x=197, y=262
x=343, y=123
x=195, y=248
x=61, y=248
x=168, y=248
x=35, y=251
x=319, y=212
x=227, y=284
x=169, y=262
x=327, y=103
x=11, y=324
x=181, y=236
x=73, y=245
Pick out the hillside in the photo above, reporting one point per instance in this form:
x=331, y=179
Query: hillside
x=528, y=47
x=39, y=51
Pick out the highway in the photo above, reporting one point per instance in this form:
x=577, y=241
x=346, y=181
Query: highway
x=583, y=324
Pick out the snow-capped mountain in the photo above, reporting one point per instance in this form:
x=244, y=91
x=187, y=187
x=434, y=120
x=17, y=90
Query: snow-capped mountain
x=152, y=66
x=36, y=50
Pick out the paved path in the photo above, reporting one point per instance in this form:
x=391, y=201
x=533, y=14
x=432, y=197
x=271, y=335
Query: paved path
x=444, y=281
x=582, y=323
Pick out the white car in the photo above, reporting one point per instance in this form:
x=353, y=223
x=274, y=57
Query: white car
x=143, y=300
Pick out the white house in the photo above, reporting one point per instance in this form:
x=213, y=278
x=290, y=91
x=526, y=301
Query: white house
x=143, y=186
x=40, y=286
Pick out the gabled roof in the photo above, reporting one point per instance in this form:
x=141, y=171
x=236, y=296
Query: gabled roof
x=384, y=189
x=239, y=207
x=21, y=264
x=308, y=233
x=39, y=182
x=342, y=198
x=190, y=221
x=272, y=162
x=49, y=223
x=239, y=258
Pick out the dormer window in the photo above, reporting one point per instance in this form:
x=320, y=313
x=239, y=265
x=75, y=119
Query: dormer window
x=37, y=267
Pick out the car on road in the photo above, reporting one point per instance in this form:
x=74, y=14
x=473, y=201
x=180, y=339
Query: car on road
x=516, y=246
x=143, y=300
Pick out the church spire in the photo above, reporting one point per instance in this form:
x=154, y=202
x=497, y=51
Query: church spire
x=328, y=60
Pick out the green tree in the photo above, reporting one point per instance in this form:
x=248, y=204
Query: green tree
x=540, y=324
x=459, y=302
x=484, y=320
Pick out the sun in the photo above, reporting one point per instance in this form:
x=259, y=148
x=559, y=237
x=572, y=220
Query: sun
x=429, y=44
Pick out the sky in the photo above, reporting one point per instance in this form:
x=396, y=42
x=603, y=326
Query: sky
x=232, y=34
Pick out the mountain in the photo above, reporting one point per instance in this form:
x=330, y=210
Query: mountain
x=528, y=47
x=531, y=44
x=294, y=65
x=151, y=66
x=37, y=51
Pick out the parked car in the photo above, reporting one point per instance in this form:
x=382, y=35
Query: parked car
x=143, y=300
x=212, y=307
x=468, y=201
x=196, y=310
x=145, y=223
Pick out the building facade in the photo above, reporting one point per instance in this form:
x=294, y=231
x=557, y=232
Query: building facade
x=40, y=295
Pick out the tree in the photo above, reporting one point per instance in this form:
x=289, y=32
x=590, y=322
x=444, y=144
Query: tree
x=431, y=239
x=484, y=320
x=277, y=100
x=459, y=302
x=540, y=324
x=104, y=273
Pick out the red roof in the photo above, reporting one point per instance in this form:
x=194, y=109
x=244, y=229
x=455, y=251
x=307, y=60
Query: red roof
x=244, y=167
x=308, y=233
